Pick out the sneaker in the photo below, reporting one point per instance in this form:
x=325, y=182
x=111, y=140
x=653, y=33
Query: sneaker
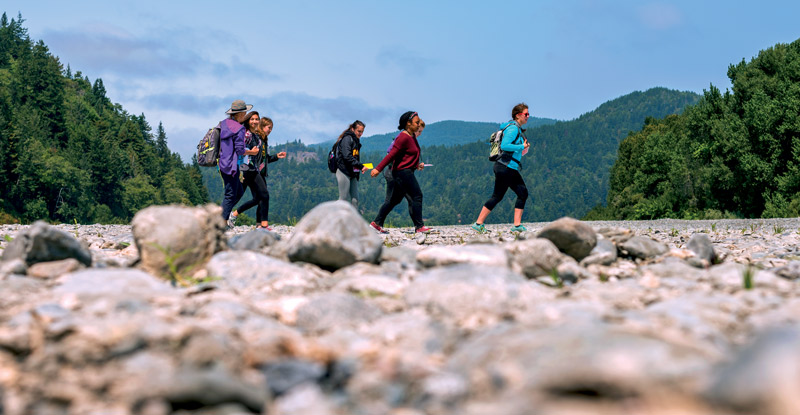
x=231, y=221
x=423, y=229
x=378, y=228
x=479, y=227
x=518, y=228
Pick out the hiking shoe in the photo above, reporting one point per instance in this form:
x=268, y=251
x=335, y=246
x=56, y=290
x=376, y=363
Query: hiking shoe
x=479, y=227
x=231, y=221
x=518, y=228
x=378, y=228
x=423, y=229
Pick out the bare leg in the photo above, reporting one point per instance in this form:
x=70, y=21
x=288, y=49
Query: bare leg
x=482, y=216
x=518, y=216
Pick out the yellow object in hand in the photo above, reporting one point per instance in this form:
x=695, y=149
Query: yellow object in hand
x=368, y=165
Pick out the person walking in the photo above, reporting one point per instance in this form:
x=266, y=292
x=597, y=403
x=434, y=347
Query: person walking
x=404, y=157
x=348, y=162
x=387, y=173
x=506, y=169
x=253, y=170
x=231, y=146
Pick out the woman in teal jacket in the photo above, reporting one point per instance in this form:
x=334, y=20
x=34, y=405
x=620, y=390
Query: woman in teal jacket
x=506, y=169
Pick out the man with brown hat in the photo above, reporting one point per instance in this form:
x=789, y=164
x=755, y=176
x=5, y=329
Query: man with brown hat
x=231, y=146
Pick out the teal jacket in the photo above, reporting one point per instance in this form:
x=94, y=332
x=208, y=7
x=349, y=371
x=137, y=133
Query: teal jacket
x=513, y=142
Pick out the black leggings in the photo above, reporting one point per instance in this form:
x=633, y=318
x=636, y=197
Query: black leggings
x=405, y=184
x=505, y=178
x=387, y=174
x=258, y=188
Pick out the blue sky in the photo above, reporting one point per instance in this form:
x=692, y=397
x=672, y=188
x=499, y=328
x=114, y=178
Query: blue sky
x=316, y=66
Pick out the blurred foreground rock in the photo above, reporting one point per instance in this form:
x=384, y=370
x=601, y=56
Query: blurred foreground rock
x=658, y=318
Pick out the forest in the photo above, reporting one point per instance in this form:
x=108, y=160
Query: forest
x=70, y=155
x=566, y=170
x=731, y=155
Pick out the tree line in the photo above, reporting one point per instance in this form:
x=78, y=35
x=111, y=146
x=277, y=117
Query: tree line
x=68, y=154
x=566, y=169
x=732, y=155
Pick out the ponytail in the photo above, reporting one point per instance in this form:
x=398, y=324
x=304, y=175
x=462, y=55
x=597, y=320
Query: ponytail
x=352, y=126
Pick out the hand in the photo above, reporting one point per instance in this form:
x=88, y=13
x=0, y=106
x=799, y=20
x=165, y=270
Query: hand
x=527, y=144
x=374, y=172
x=282, y=155
x=364, y=169
x=421, y=166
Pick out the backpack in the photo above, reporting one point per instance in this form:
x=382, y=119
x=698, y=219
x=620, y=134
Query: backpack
x=494, y=140
x=332, y=164
x=208, y=148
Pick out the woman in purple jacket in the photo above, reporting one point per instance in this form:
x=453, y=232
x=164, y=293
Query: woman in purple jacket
x=231, y=146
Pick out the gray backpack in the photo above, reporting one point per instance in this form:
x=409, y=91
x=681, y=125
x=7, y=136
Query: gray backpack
x=208, y=148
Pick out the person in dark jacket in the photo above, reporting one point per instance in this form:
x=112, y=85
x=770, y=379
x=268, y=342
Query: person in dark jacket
x=404, y=157
x=231, y=146
x=254, y=169
x=348, y=162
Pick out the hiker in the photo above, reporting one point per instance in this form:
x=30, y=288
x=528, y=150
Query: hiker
x=387, y=173
x=254, y=172
x=404, y=156
x=348, y=162
x=231, y=146
x=506, y=169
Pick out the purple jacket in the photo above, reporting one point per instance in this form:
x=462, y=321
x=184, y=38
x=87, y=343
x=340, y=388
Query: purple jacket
x=231, y=145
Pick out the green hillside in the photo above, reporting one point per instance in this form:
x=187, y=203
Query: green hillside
x=71, y=155
x=566, y=171
x=735, y=154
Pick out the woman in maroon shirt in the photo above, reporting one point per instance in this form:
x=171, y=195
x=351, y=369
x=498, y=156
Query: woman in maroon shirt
x=404, y=159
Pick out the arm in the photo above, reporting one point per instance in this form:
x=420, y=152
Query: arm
x=238, y=142
x=393, y=152
x=347, y=147
x=509, y=136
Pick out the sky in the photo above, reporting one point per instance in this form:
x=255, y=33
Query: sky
x=316, y=66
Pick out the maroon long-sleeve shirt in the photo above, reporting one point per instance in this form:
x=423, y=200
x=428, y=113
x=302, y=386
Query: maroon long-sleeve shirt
x=405, y=153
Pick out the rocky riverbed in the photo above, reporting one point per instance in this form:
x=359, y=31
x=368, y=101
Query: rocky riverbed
x=176, y=315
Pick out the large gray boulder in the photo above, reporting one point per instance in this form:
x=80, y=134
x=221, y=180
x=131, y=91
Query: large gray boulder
x=333, y=235
x=44, y=243
x=643, y=247
x=535, y=257
x=178, y=239
x=571, y=236
x=702, y=247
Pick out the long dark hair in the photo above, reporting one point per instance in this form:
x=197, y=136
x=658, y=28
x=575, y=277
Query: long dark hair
x=352, y=126
x=247, y=121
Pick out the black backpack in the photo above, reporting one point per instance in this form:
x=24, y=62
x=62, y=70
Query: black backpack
x=332, y=157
